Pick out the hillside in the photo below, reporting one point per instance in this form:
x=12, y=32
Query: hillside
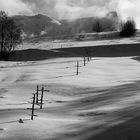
x=36, y=25
x=101, y=103
x=43, y=25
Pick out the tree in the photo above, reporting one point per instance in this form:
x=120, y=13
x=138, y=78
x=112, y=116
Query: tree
x=128, y=28
x=10, y=34
x=97, y=27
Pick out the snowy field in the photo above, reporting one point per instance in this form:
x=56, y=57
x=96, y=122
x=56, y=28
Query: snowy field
x=105, y=94
x=54, y=44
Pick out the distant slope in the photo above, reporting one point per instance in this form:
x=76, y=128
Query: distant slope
x=36, y=25
x=44, y=25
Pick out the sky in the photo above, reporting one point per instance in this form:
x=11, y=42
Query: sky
x=71, y=9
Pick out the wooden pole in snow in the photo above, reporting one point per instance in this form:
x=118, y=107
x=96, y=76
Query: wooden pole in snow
x=37, y=94
x=84, y=61
x=42, y=98
x=77, y=68
x=33, y=105
x=88, y=58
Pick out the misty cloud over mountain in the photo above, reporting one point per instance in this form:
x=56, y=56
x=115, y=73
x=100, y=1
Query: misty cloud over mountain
x=69, y=9
x=64, y=9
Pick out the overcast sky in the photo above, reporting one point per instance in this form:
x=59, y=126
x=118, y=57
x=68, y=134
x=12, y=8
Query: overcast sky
x=72, y=8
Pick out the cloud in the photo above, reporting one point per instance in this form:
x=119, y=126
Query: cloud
x=42, y=7
x=71, y=8
x=130, y=8
x=14, y=7
x=83, y=8
x=61, y=9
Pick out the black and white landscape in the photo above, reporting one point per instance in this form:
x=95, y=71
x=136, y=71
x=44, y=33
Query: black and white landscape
x=69, y=70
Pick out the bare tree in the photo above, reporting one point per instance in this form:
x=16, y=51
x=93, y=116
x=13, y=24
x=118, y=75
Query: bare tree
x=10, y=33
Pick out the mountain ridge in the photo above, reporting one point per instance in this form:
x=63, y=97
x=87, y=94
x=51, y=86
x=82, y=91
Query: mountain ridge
x=44, y=25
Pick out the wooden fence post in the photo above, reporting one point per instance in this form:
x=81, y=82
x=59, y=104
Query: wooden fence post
x=77, y=68
x=37, y=94
x=84, y=61
x=32, y=115
x=88, y=58
x=42, y=97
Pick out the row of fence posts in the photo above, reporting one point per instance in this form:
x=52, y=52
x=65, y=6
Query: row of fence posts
x=37, y=101
x=85, y=60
